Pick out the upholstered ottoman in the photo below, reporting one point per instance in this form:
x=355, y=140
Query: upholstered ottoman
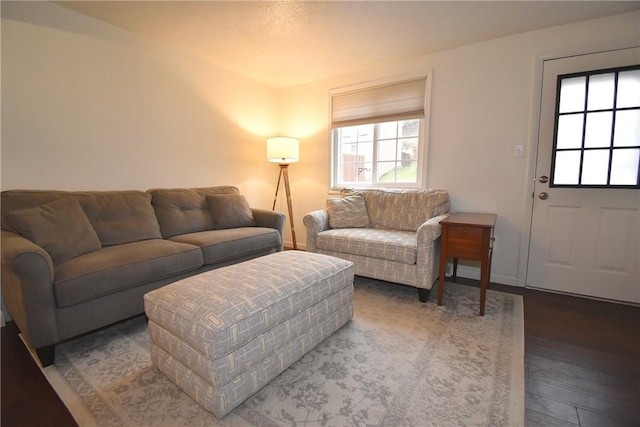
x=222, y=335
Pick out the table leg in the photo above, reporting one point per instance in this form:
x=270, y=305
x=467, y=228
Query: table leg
x=443, y=267
x=485, y=268
x=483, y=295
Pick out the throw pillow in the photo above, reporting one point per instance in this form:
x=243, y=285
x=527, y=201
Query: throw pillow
x=348, y=212
x=61, y=228
x=230, y=211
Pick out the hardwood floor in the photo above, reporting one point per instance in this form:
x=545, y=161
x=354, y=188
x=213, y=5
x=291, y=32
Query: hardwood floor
x=27, y=398
x=582, y=363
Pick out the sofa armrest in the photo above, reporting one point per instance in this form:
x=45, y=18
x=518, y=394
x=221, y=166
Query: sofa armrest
x=270, y=219
x=315, y=222
x=27, y=289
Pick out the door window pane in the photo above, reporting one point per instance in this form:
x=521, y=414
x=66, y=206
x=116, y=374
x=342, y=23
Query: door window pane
x=627, y=133
x=567, y=168
x=629, y=89
x=570, y=131
x=595, y=167
x=598, y=132
x=624, y=167
x=572, y=94
x=601, y=90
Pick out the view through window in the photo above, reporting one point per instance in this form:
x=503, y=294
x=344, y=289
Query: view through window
x=380, y=153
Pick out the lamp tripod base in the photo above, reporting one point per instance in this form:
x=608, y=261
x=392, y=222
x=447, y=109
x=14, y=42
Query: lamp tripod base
x=284, y=172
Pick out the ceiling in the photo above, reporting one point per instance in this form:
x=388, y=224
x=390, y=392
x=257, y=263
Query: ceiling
x=288, y=43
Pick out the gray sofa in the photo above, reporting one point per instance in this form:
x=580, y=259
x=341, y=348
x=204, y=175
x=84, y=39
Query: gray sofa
x=73, y=262
x=388, y=234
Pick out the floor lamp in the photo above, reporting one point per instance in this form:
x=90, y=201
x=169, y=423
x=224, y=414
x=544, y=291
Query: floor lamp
x=283, y=151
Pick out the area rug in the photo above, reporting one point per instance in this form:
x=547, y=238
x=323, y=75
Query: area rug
x=399, y=362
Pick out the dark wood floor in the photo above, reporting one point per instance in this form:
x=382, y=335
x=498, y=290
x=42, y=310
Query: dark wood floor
x=582, y=362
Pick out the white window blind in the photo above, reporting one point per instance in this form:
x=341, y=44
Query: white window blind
x=390, y=102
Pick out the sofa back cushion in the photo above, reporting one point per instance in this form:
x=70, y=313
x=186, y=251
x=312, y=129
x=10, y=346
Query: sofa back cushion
x=404, y=209
x=185, y=210
x=23, y=199
x=60, y=227
x=230, y=211
x=121, y=216
x=116, y=216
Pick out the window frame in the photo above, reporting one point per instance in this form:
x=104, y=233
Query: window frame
x=423, y=138
x=585, y=111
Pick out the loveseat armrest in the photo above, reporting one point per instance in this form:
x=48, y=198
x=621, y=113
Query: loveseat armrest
x=271, y=219
x=430, y=230
x=27, y=289
x=428, y=251
x=315, y=222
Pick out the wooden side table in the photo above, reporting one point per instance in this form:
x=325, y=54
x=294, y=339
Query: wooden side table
x=467, y=236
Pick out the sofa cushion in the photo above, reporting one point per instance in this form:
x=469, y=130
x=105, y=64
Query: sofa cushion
x=115, y=268
x=185, y=210
x=121, y=216
x=403, y=209
x=116, y=216
x=392, y=245
x=348, y=212
x=59, y=227
x=230, y=211
x=223, y=245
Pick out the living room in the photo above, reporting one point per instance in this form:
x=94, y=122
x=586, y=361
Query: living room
x=187, y=123
x=87, y=105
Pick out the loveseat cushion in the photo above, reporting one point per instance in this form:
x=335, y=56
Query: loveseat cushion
x=185, y=210
x=121, y=216
x=115, y=268
x=404, y=209
x=60, y=227
x=348, y=212
x=392, y=245
x=223, y=245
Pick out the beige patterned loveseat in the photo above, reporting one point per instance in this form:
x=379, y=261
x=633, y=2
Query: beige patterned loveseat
x=388, y=234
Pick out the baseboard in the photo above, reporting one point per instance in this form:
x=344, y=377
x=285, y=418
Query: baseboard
x=474, y=273
x=288, y=245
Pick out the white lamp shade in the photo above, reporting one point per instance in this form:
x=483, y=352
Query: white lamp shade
x=283, y=150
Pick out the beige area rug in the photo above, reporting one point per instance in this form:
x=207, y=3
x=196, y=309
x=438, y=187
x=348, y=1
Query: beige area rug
x=399, y=362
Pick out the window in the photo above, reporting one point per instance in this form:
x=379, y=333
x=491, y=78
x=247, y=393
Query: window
x=597, y=130
x=379, y=135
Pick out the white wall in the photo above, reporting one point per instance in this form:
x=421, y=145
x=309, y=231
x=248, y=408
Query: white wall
x=482, y=105
x=87, y=106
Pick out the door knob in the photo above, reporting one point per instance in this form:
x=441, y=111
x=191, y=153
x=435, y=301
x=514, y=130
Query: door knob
x=544, y=196
x=544, y=179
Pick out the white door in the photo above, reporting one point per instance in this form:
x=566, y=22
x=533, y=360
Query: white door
x=585, y=228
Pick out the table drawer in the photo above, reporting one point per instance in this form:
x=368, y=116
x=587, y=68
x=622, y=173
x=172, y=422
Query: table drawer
x=462, y=232
x=464, y=242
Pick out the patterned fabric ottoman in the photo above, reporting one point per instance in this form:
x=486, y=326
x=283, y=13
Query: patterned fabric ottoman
x=222, y=335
